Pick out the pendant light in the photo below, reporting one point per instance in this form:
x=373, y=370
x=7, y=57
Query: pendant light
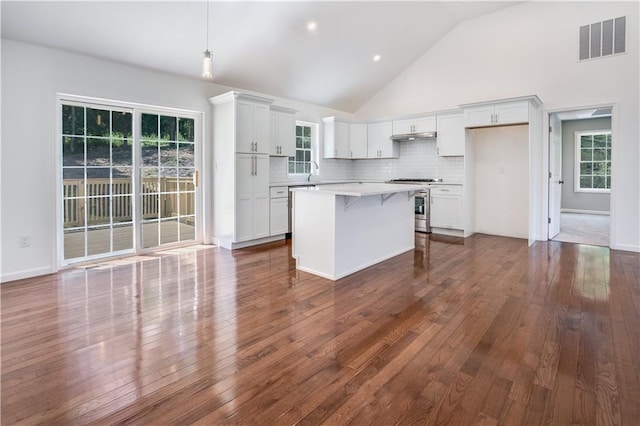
x=207, y=61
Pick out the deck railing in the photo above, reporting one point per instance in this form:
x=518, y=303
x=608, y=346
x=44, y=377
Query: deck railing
x=160, y=199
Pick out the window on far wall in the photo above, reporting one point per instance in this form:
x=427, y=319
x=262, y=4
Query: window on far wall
x=593, y=161
x=306, y=134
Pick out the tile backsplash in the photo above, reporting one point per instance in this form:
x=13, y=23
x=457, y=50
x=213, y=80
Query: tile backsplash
x=418, y=159
x=329, y=170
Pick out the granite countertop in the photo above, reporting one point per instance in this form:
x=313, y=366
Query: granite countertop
x=319, y=182
x=346, y=181
x=361, y=189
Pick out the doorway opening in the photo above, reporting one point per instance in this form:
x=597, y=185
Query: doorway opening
x=580, y=144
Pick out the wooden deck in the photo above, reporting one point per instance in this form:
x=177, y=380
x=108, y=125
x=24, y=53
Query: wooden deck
x=98, y=240
x=485, y=331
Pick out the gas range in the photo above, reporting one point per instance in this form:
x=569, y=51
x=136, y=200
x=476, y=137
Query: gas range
x=415, y=180
x=422, y=202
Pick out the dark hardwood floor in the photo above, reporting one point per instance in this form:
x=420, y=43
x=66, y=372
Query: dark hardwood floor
x=480, y=331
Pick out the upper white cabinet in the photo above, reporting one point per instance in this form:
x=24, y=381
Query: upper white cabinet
x=414, y=125
x=358, y=140
x=252, y=126
x=499, y=113
x=283, y=132
x=378, y=143
x=451, y=135
x=336, y=138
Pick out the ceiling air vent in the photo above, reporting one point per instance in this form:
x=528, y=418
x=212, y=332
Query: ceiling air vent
x=603, y=38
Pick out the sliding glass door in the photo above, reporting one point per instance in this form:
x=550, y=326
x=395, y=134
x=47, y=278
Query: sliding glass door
x=168, y=172
x=97, y=181
x=125, y=191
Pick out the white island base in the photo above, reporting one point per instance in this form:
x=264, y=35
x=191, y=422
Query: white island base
x=341, y=229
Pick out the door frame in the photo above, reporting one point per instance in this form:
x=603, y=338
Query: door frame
x=137, y=109
x=614, y=160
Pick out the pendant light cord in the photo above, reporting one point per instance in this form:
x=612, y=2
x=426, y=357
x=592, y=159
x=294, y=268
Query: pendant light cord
x=207, y=24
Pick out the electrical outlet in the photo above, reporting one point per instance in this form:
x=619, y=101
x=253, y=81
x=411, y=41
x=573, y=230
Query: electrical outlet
x=25, y=241
x=501, y=170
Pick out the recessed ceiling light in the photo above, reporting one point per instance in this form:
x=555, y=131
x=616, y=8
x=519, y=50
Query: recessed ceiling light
x=311, y=26
x=376, y=58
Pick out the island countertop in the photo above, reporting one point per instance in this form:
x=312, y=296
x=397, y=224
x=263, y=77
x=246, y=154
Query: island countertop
x=362, y=189
x=338, y=230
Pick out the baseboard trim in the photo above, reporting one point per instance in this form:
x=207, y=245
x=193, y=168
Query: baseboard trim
x=30, y=273
x=626, y=247
x=584, y=211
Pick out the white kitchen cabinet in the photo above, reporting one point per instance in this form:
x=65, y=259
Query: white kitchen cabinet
x=358, y=140
x=451, y=135
x=446, y=206
x=283, y=132
x=252, y=197
x=241, y=198
x=378, y=143
x=496, y=114
x=336, y=138
x=414, y=125
x=279, y=211
x=252, y=126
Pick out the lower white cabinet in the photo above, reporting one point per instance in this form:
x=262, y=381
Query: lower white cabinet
x=252, y=197
x=279, y=210
x=446, y=206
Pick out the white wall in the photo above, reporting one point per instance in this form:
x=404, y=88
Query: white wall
x=502, y=180
x=527, y=49
x=31, y=77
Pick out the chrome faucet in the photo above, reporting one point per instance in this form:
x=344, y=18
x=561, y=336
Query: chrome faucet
x=311, y=170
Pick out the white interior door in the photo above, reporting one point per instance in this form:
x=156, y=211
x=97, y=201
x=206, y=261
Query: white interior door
x=555, y=178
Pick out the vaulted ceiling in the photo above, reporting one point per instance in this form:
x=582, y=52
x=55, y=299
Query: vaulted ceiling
x=260, y=46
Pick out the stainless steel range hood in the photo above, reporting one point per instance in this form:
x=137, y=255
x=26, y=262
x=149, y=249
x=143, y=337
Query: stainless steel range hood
x=423, y=136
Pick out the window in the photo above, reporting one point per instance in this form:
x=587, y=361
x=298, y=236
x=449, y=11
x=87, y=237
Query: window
x=593, y=161
x=603, y=38
x=305, y=144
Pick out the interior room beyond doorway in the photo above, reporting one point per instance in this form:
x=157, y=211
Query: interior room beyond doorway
x=584, y=175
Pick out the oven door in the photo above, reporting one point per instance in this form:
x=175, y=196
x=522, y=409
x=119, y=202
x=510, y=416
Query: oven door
x=421, y=211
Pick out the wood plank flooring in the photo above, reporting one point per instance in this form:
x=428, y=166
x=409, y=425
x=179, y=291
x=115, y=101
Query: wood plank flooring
x=478, y=331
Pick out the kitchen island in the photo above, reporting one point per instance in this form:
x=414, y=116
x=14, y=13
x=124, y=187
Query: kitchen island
x=340, y=229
